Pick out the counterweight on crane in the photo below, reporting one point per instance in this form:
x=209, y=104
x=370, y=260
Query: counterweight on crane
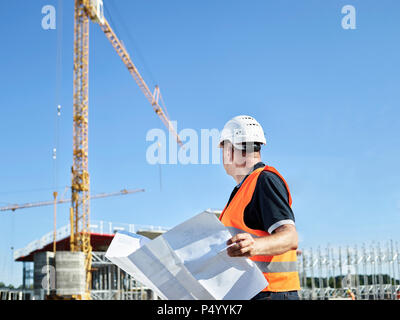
x=86, y=10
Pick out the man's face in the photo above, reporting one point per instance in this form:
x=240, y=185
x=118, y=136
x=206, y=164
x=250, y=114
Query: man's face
x=234, y=161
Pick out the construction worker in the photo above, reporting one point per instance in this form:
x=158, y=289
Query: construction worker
x=351, y=294
x=258, y=213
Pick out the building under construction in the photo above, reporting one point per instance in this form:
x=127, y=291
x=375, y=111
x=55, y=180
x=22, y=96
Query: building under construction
x=54, y=272
x=46, y=274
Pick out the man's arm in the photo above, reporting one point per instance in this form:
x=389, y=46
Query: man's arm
x=283, y=239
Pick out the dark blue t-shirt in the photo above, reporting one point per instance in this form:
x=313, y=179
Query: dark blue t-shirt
x=269, y=207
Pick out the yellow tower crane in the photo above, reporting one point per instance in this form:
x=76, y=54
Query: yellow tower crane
x=86, y=10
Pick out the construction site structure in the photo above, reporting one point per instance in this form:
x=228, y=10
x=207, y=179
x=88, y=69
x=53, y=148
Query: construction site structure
x=366, y=272
x=334, y=273
x=46, y=275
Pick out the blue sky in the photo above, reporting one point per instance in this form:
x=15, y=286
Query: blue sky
x=328, y=100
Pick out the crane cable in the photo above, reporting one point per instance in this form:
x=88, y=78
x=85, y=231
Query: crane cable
x=137, y=51
x=12, y=247
x=58, y=89
x=58, y=114
x=131, y=40
x=139, y=54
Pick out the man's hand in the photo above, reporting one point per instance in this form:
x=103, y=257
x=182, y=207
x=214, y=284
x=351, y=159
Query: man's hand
x=244, y=245
x=283, y=239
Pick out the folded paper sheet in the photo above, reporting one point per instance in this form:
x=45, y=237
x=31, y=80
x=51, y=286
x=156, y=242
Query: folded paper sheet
x=188, y=262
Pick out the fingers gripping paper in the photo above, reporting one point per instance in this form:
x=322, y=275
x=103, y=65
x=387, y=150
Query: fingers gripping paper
x=188, y=262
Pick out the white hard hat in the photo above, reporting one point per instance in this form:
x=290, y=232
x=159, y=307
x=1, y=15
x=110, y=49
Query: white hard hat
x=242, y=129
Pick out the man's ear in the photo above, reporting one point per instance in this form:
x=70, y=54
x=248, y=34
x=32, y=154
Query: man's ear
x=238, y=157
x=231, y=154
x=227, y=154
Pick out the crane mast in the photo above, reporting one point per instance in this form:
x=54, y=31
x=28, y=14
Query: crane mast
x=80, y=187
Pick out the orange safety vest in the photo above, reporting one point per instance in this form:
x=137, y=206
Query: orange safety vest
x=280, y=270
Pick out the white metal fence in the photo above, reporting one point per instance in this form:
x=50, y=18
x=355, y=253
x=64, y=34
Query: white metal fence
x=368, y=272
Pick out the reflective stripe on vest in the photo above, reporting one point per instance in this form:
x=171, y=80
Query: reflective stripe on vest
x=281, y=270
x=273, y=267
x=269, y=266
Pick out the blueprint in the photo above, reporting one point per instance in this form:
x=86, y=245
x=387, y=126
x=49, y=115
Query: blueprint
x=189, y=262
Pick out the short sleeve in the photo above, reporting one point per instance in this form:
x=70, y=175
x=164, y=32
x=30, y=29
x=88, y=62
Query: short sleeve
x=269, y=207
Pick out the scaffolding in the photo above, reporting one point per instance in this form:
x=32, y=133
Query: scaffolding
x=366, y=272
x=108, y=283
x=15, y=294
x=111, y=283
